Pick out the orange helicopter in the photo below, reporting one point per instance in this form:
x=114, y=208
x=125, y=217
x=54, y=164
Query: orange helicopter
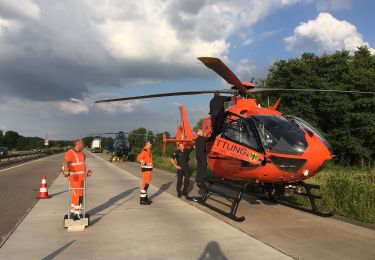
x=257, y=146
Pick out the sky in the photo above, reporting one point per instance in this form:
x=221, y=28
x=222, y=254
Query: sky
x=58, y=57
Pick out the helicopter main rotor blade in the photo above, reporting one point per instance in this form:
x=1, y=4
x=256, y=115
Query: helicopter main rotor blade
x=103, y=134
x=115, y=133
x=223, y=71
x=268, y=90
x=171, y=94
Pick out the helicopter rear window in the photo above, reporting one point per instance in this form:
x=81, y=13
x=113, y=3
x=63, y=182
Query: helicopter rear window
x=242, y=132
x=279, y=135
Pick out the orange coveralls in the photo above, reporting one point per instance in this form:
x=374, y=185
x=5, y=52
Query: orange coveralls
x=77, y=170
x=145, y=158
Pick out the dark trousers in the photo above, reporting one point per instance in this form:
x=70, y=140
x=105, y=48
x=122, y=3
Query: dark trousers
x=183, y=175
x=201, y=169
x=217, y=124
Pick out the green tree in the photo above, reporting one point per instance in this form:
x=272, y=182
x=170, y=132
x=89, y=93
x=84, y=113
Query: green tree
x=1, y=138
x=137, y=137
x=21, y=143
x=347, y=120
x=10, y=139
x=88, y=140
x=150, y=136
x=198, y=125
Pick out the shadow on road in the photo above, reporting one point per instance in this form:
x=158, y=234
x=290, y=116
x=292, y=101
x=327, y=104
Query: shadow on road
x=162, y=189
x=57, y=193
x=93, y=222
x=212, y=252
x=58, y=251
x=111, y=201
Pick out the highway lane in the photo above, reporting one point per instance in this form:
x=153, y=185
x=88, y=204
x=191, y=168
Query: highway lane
x=19, y=186
x=6, y=161
x=120, y=228
x=293, y=232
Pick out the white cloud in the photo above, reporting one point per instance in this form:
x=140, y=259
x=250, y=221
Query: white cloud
x=245, y=69
x=86, y=105
x=325, y=34
x=19, y=8
x=176, y=31
x=63, y=48
x=118, y=107
x=74, y=106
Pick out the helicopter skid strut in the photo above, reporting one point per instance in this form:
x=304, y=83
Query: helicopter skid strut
x=312, y=199
x=235, y=199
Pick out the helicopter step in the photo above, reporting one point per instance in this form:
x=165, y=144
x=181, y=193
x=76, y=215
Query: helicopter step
x=234, y=198
x=278, y=194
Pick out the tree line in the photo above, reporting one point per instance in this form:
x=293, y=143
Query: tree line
x=14, y=141
x=136, y=139
x=346, y=120
x=138, y=136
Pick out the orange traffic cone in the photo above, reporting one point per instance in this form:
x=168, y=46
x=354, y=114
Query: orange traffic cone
x=43, y=191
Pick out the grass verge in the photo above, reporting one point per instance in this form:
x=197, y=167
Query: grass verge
x=349, y=191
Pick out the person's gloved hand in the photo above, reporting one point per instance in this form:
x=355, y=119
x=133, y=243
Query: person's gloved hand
x=66, y=173
x=89, y=172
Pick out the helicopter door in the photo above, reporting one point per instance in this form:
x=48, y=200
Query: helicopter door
x=238, y=141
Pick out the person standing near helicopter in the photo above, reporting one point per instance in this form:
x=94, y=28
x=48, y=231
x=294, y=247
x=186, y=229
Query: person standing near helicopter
x=145, y=158
x=180, y=160
x=217, y=113
x=201, y=158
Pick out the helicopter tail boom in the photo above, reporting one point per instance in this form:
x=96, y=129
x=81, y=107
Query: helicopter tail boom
x=184, y=132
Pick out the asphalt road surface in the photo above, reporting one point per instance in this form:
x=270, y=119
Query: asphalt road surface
x=19, y=186
x=120, y=228
x=290, y=231
x=296, y=233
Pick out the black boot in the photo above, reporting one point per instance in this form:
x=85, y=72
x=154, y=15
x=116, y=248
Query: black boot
x=146, y=188
x=144, y=201
x=143, y=198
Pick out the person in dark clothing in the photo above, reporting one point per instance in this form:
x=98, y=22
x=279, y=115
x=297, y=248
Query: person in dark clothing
x=180, y=160
x=217, y=113
x=201, y=157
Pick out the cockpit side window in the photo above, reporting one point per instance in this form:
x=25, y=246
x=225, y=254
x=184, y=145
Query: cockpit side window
x=242, y=132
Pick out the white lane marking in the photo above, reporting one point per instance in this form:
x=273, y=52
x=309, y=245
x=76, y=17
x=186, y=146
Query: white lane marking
x=27, y=163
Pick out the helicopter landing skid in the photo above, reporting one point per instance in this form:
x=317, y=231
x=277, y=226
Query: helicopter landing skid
x=312, y=197
x=235, y=199
x=279, y=198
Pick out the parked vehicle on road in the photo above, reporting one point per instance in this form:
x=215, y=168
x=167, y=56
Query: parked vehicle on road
x=96, y=145
x=3, y=152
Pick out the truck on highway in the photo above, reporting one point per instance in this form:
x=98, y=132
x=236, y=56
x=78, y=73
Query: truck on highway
x=96, y=145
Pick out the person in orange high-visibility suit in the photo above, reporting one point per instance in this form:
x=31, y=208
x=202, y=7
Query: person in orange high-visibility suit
x=74, y=169
x=145, y=158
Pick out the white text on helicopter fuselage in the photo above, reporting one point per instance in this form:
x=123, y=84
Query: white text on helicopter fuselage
x=231, y=147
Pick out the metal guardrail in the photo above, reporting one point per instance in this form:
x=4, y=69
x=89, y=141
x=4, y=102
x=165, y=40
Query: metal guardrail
x=18, y=157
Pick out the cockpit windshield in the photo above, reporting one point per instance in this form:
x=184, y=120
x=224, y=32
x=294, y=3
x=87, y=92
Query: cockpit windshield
x=313, y=130
x=279, y=135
